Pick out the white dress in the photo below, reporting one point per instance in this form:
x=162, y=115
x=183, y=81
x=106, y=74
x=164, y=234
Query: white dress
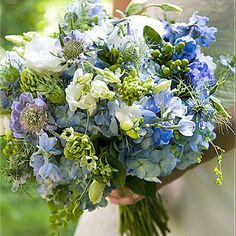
x=196, y=206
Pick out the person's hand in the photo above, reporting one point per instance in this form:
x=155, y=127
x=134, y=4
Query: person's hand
x=124, y=197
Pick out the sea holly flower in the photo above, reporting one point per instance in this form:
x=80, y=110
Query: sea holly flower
x=28, y=115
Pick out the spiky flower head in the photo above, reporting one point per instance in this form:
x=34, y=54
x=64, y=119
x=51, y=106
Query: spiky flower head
x=29, y=81
x=76, y=44
x=33, y=118
x=28, y=115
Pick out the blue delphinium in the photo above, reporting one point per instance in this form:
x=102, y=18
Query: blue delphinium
x=162, y=136
x=196, y=28
x=190, y=49
x=200, y=75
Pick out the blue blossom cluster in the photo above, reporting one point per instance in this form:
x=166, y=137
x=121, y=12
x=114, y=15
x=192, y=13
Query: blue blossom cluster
x=109, y=99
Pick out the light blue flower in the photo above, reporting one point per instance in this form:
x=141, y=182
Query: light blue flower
x=166, y=160
x=186, y=126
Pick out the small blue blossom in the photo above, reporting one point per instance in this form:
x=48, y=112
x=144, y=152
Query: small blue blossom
x=162, y=136
x=190, y=49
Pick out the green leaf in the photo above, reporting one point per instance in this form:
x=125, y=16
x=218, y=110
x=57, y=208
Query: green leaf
x=171, y=7
x=118, y=177
x=134, y=8
x=141, y=186
x=2, y=145
x=151, y=36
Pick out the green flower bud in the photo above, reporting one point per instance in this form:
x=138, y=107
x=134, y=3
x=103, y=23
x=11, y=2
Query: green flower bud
x=96, y=190
x=179, y=47
x=29, y=81
x=187, y=70
x=132, y=133
x=163, y=85
x=156, y=53
x=178, y=63
x=166, y=71
x=168, y=47
x=185, y=62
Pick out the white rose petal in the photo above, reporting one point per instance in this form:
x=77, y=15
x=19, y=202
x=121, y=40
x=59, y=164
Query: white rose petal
x=41, y=55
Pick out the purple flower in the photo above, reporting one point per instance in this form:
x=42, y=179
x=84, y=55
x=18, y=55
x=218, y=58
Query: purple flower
x=76, y=44
x=47, y=143
x=28, y=115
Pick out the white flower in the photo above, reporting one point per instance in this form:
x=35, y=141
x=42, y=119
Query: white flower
x=137, y=24
x=41, y=55
x=186, y=126
x=128, y=118
x=99, y=89
x=88, y=102
x=73, y=95
x=128, y=113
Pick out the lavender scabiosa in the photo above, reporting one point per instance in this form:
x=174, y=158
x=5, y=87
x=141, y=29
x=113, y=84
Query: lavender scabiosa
x=28, y=115
x=76, y=44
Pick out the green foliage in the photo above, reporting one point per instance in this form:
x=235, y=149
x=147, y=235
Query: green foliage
x=63, y=207
x=151, y=36
x=21, y=16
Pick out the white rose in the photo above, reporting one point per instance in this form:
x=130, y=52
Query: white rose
x=137, y=24
x=41, y=55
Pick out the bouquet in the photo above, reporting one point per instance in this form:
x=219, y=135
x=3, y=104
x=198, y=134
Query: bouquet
x=109, y=103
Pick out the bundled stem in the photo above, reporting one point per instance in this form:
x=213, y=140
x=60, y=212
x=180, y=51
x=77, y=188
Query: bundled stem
x=145, y=218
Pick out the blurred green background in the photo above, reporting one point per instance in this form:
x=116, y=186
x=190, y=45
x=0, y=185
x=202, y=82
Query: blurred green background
x=20, y=214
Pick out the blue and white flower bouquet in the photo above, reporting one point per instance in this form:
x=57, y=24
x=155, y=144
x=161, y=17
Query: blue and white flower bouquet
x=108, y=103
